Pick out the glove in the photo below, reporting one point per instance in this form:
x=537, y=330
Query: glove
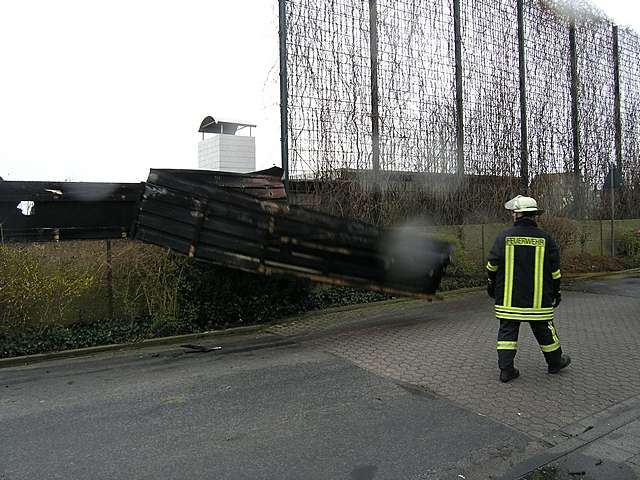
x=491, y=288
x=557, y=300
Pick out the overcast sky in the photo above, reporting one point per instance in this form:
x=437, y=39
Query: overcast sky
x=103, y=91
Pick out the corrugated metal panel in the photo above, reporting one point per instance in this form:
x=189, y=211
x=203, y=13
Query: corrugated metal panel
x=264, y=184
x=216, y=225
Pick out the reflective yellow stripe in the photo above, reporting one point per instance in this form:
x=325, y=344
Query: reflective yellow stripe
x=537, y=276
x=554, y=333
x=502, y=308
x=550, y=348
x=556, y=275
x=528, y=318
x=556, y=341
x=491, y=267
x=508, y=276
x=507, y=345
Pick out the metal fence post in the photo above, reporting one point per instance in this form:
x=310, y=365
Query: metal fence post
x=522, y=67
x=284, y=93
x=375, y=115
x=618, y=136
x=457, y=38
x=375, y=97
x=612, y=173
x=109, y=280
x=575, y=119
x=618, y=114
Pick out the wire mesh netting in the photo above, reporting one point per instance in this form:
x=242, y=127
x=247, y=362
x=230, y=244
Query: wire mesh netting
x=491, y=98
x=597, y=103
x=491, y=102
x=629, y=44
x=329, y=87
x=549, y=106
x=417, y=108
x=332, y=50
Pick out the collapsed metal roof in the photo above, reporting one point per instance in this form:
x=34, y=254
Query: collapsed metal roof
x=213, y=224
x=241, y=221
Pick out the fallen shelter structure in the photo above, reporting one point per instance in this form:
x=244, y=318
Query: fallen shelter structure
x=241, y=221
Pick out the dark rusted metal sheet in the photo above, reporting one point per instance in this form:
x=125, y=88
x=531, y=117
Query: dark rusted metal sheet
x=86, y=210
x=263, y=184
x=239, y=221
x=66, y=210
x=221, y=226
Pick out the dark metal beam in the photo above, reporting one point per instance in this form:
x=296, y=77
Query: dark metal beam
x=575, y=119
x=618, y=114
x=375, y=99
x=524, y=140
x=459, y=90
x=284, y=93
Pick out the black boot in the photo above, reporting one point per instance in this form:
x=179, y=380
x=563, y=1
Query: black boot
x=565, y=361
x=509, y=374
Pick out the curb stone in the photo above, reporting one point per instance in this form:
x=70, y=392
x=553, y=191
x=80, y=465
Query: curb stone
x=590, y=275
x=151, y=342
x=575, y=437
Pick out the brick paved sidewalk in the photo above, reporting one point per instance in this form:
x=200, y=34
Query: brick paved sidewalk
x=448, y=348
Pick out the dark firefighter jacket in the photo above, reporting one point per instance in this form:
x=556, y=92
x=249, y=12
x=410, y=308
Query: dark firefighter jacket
x=524, y=264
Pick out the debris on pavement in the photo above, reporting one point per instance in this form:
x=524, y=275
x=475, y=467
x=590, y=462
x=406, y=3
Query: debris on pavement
x=200, y=348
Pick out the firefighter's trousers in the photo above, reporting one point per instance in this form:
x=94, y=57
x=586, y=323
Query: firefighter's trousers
x=545, y=333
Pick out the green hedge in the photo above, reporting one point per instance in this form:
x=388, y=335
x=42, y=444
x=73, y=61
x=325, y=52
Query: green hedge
x=58, y=337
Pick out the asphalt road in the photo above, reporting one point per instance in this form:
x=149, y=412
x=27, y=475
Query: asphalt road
x=627, y=286
x=287, y=412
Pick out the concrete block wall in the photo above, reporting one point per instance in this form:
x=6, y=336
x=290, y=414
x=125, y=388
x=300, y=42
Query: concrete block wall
x=594, y=236
x=227, y=153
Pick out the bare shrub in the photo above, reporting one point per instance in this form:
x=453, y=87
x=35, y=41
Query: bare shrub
x=563, y=230
x=37, y=290
x=147, y=280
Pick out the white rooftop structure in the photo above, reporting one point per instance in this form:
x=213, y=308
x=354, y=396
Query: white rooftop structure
x=223, y=149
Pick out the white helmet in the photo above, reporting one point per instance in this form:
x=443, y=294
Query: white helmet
x=521, y=204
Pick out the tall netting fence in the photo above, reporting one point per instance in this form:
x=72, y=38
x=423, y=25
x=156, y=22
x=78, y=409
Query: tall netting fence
x=490, y=106
x=415, y=60
x=438, y=130
x=629, y=45
x=329, y=87
x=596, y=100
x=548, y=80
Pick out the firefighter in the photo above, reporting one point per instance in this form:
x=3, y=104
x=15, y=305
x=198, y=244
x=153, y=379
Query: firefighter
x=524, y=279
